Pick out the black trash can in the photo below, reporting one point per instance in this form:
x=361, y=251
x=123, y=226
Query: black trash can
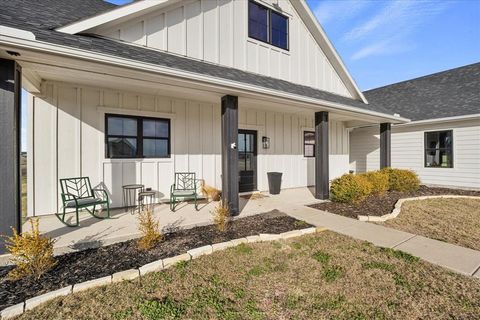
x=274, y=182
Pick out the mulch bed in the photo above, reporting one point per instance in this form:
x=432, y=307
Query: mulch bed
x=95, y=263
x=380, y=205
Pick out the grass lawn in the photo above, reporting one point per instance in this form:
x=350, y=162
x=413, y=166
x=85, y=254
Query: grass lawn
x=321, y=276
x=455, y=221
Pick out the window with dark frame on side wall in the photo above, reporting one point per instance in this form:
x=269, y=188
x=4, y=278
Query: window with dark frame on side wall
x=439, y=149
x=136, y=137
x=267, y=25
x=309, y=144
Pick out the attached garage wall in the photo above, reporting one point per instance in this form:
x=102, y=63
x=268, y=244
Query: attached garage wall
x=67, y=127
x=408, y=152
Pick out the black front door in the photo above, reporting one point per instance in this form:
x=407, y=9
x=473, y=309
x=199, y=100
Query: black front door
x=247, y=160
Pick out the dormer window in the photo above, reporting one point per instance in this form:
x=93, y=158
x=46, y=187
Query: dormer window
x=267, y=25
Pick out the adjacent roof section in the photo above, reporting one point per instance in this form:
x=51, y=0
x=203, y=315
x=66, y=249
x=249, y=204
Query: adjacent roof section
x=41, y=18
x=450, y=93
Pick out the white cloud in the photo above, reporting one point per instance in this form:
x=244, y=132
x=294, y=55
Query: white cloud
x=381, y=48
x=389, y=31
x=339, y=10
x=396, y=17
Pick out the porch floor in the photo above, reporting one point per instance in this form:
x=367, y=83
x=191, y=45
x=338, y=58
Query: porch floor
x=93, y=232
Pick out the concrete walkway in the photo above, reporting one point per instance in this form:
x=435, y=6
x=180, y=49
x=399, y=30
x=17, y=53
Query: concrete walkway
x=459, y=259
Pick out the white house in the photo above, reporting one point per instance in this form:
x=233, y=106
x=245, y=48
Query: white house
x=134, y=93
x=442, y=142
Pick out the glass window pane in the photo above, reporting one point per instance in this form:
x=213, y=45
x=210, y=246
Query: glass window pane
x=248, y=161
x=241, y=142
x=309, y=150
x=122, y=126
x=241, y=161
x=149, y=128
x=155, y=128
x=155, y=148
x=161, y=129
x=309, y=137
x=445, y=138
x=432, y=140
x=438, y=158
x=257, y=22
x=122, y=147
x=279, y=30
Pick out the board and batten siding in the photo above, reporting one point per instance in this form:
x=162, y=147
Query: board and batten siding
x=217, y=31
x=408, y=152
x=67, y=122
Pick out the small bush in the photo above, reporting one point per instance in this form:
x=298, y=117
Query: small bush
x=379, y=180
x=402, y=179
x=31, y=252
x=210, y=192
x=150, y=230
x=221, y=213
x=350, y=188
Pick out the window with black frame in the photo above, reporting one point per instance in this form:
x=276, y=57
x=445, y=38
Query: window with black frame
x=439, y=149
x=267, y=25
x=136, y=137
x=308, y=144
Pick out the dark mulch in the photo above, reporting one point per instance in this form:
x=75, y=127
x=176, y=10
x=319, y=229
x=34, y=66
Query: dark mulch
x=95, y=263
x=380, y=205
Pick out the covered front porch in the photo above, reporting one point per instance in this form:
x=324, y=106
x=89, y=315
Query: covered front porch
x=68, y=104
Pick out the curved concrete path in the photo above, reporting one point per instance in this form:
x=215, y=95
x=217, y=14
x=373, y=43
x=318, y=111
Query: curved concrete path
x=459, y=259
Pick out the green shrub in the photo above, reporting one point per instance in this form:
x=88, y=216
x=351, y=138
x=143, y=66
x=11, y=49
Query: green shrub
x=402, y=179
x=379, y=180
x=350, y=188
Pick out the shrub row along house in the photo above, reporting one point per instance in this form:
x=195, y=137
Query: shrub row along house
x=229, y=90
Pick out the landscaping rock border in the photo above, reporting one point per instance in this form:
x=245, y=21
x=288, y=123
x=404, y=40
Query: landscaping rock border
x=137, y=274
x=398, y=207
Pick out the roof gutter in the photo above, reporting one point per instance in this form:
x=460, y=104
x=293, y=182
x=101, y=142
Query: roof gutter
x=441, y=120
x=47, y=47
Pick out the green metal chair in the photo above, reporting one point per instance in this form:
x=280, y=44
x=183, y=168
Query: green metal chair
x=77, y=193
x=184, y=187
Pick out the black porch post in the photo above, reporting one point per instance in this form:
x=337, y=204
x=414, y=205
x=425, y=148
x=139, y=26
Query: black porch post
x=229, y=152
x=321, y=156
x=385, y=145
x=10, y=86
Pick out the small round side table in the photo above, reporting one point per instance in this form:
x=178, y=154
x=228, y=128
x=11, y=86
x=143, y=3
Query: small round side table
x=130, y=195
x=145, y=199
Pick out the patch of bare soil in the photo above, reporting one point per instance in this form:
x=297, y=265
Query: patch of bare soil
x=95, y=263
x=453, y=220
x=378, y=205
x=320, y=276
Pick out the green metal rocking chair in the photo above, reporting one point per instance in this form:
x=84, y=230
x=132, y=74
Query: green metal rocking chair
x=77, y=193
x=184, y=187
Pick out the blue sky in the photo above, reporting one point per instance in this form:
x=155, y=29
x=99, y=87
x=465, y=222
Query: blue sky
x=387, y=41
x=384, y=42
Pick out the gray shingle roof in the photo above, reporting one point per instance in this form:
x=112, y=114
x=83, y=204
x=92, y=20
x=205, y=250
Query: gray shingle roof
x=450, y=93
x=42, y=16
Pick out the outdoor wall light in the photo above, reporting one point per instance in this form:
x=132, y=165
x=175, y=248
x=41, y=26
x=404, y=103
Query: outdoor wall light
x=266, y=142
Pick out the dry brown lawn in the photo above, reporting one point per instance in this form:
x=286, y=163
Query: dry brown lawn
x=455, y=221
x=321, y=276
